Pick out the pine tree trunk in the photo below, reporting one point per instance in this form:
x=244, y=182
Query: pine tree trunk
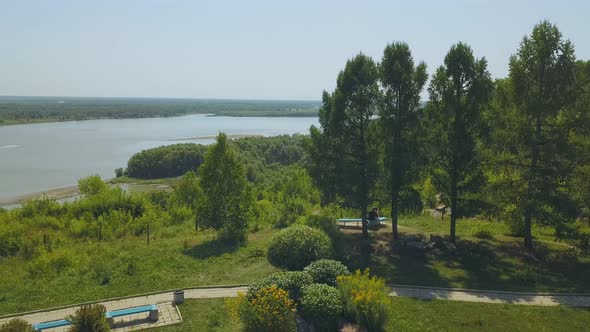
x=394, y=213
x=364, y=221
x=364, y=186
x=395, y=175
x=528, y=236
x=453, y=209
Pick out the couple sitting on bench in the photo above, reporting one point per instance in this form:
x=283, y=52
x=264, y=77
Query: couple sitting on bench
x=373, y=215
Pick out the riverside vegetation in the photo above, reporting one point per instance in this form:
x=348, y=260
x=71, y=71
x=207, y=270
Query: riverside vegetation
x=22, y=110
x=97, y=246
x=509, y=160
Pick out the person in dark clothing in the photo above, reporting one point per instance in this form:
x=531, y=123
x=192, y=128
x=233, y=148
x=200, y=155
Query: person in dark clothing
x=374, y=214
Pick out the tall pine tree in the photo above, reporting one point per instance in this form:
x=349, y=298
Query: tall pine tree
x=343, y=160
x=459, y=91
x=402, y=83
x=543, y=82
x=324, y=152
x=227, y=202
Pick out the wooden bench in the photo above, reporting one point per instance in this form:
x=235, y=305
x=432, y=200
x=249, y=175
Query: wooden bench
x=51, y=324
x=151, y=308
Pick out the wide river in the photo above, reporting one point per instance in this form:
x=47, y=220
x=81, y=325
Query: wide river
x=38, y=157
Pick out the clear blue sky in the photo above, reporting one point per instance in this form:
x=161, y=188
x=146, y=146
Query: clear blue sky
x=248, y=49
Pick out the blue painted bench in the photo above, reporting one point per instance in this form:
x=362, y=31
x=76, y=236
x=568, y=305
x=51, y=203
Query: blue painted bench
x=151, y=308
x=359, y=220
x=51, y=324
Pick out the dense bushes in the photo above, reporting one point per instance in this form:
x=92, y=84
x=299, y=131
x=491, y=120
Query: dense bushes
x=255, y=152
x=357, y=298
x=321, y=305
x=11, y=239
x=103, y=214
x=16, y=325
x=325, y=223
x=166, y=161
x=226, y=203
x=295, y=247
x=91, y=185
x=291, y=281
x=41, y=207
x=325, y=271
x=482, y=231
x=267, y=310
x=410, y=201
x=365, y=299
x=283, y=150
x=88, y=318
x=296, y=195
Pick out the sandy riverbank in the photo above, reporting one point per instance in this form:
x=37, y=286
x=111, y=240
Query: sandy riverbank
x=73, y=191
x=230, y=136
x=58, y=193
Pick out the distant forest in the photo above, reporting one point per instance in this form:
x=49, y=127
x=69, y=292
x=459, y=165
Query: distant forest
x=15, y=110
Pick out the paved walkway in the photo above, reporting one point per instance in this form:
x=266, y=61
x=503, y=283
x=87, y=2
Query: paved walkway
x=164, y=299
x=472, y=295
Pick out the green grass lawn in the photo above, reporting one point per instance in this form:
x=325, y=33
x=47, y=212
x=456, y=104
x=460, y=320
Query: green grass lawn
x=83, y=271
x=80, y=270
x=498, y=263
x=439, y=315
x=203, y=315
x=417, y=315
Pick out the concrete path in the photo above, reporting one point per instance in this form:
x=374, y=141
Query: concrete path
x=473, y=295
x=160, y=298
x=453, y=294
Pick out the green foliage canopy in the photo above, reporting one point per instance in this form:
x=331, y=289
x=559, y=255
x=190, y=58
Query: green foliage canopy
x=459, y=91
x=399, y=120
x=227, y=202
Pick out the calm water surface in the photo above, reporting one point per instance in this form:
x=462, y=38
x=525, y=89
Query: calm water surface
x=39, y=157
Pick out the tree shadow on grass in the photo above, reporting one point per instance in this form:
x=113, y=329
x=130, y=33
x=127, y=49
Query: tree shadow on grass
x=211, y=248
x=484, y=264
x=396, y=264
x=403, y=263
x=509, y=267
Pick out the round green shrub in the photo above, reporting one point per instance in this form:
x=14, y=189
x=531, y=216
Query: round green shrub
x=325, y=271
x=366, y=298
x=269, y=310
x=89, y=317
x=321, y=305
x=291, y=281
x=482, y=231
x=324, y=223
x=16, y=325
x=295, y=247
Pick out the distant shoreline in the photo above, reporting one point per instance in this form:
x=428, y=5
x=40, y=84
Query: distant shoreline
x=248, y=115
x=231, y=136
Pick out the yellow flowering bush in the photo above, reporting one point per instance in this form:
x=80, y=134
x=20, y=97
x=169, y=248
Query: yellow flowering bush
x=365, y=298
x=267, y=310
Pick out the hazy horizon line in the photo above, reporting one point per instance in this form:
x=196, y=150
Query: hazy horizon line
x=153, y=98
